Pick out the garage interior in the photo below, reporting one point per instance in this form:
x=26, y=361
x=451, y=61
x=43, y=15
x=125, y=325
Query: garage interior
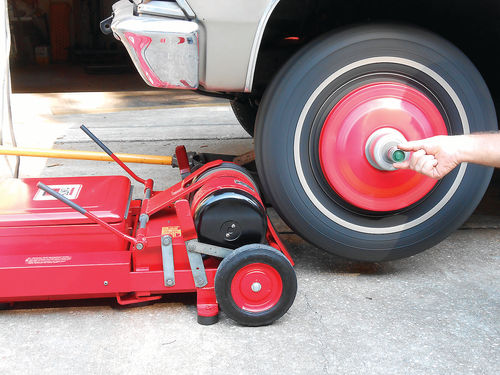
x=59, y=54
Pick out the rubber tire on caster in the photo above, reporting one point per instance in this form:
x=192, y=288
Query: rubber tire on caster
x=246, y=256
x=299, y=99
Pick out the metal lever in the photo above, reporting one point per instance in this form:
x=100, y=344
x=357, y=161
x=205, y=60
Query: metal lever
x=86, y=213
x=112, y=155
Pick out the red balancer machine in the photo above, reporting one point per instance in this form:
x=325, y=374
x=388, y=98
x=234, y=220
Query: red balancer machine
x=209, y=234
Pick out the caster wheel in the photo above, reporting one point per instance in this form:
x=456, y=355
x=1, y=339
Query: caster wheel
x=337, y=102
x=255, y=285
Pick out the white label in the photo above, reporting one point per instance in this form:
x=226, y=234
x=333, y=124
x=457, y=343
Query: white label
x=47, y=260
x=68, y=191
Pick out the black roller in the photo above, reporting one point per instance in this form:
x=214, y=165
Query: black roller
x=230, y=218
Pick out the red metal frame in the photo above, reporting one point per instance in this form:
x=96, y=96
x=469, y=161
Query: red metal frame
x=82, y=267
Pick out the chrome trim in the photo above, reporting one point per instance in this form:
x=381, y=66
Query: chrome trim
x=256, y=44
x=164, y=50
x=300, y=124
x=162, y=9
x=186, y=8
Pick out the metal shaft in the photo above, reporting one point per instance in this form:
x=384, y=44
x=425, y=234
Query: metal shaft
x=85, y=155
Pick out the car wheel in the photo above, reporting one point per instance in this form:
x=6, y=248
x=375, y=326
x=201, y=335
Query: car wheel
x=245, y=110
x=340, y=98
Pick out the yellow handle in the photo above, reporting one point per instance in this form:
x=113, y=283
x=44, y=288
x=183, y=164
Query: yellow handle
x=85, y=155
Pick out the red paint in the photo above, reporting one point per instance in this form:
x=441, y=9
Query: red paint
x=182, y=160
x=51, y=252
x=47, y=226
x=263, y=275
x=349, y=125
x=181, y=40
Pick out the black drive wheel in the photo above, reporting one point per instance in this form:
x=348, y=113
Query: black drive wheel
x=255, y=285
x=337, y=102
x=245, y=110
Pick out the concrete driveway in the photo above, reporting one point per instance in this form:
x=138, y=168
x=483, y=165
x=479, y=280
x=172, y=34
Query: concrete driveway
x=434, y=313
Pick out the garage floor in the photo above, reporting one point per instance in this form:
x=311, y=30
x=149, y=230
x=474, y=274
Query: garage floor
x=434, y=313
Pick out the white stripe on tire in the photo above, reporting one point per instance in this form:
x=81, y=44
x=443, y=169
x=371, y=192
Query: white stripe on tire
x=300, y=124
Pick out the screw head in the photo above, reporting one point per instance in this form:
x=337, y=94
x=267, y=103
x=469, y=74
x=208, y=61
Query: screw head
x=106, y=283
x=231, y=230
x=139, y=246
x=167, y=241
x=170, y=282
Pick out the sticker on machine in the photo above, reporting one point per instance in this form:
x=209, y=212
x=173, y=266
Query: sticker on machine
x=47, y=260
x=173, y=231
x=68, y=191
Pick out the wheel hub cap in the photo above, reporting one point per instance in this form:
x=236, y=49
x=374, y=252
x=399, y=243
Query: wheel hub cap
x=381, y=149
x=256, y=287
x=358, y=142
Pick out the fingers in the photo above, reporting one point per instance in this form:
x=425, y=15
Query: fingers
x=411, y=146
x=420, y=162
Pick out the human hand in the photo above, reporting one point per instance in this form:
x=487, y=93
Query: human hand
x=434, y=157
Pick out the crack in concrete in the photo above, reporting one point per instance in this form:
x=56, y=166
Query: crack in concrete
x=322, y=341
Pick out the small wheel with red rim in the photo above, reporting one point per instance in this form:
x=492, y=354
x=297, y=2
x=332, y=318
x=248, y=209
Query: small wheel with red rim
x=328, y=125
x=255, y=285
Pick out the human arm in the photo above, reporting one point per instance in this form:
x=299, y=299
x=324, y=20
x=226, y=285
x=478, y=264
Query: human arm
x=437, y=156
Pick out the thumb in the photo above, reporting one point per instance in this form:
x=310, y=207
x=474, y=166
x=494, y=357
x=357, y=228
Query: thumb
x=402, y=165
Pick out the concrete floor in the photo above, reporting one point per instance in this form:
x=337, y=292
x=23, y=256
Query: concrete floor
x=434, y=313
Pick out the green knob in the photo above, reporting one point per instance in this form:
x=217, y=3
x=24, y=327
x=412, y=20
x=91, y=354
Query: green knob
x=398, y=156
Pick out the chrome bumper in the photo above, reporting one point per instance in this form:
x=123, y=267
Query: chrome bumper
x=164, y=50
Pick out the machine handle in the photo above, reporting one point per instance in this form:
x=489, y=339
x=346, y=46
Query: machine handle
x=96, y=140
x=90, y=215
x=62, y=198
x=148, y=183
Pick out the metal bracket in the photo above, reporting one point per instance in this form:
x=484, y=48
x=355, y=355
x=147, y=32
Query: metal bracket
x=198, y=269
x=204, y=248
x=167, y=253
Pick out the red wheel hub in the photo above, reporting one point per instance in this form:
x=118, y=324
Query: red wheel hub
x=256, y=287
x=347, y=129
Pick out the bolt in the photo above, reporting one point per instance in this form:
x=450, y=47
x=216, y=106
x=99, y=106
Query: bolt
x=167, y=240
x=139, y=246
x=170, y=282
x=256, y=287
x=106, y=283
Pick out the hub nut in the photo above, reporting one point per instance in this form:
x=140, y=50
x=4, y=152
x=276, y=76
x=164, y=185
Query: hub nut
x=382, y=151
x=256, y=287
